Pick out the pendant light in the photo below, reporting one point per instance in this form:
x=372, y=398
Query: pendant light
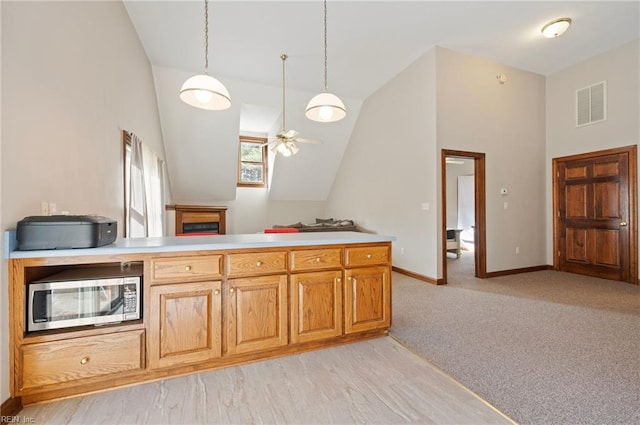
x=325, y=107
x=204, y=91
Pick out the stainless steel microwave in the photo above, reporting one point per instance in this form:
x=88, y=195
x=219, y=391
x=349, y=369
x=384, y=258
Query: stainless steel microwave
x=84, y=296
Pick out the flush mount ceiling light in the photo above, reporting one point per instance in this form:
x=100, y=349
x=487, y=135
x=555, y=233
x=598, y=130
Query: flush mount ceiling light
x=325, y=107
x=556, y=28
x=204, y=91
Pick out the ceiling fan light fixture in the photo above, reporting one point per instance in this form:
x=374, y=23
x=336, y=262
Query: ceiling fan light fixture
x=204, y=91
x=555, y=28
x=325, y=107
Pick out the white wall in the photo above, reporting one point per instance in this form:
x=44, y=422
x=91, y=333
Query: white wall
x=74, y=75
x=389, y=168
x=507, y=123
x=252, y=211
x=620, y=68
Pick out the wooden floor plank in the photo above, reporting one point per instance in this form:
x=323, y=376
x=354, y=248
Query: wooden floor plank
x=374, y=381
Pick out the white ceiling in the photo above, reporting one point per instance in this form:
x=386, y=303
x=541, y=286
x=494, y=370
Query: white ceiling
x=369, y=42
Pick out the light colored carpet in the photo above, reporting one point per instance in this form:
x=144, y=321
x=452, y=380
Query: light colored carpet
x=544, y=347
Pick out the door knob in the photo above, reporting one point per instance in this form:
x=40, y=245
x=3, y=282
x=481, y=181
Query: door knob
x=623, y=224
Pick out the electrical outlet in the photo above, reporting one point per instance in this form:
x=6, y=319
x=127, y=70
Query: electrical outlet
x=44, y=208
x=53, y=208
x=401, y=251
x=517, y=250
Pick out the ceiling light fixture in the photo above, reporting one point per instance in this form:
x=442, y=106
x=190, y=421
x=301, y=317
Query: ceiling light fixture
x=325, y=107
x=556, y=28
x=204, y=91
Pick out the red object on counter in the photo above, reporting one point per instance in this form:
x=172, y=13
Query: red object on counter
x=283, y=230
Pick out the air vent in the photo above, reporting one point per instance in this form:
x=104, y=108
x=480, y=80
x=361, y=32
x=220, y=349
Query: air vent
x=591, y=104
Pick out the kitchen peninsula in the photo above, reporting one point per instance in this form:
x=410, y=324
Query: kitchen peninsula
x=207, y=302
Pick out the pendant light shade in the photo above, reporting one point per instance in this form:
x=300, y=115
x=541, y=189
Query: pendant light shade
x=325, y=107
x=204, y=91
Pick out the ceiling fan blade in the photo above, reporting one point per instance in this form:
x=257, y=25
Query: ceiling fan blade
x=310, y=141
x=290, y=134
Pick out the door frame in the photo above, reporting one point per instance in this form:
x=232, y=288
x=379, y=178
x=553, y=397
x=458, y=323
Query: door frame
x=479, y=180
x=633, y=204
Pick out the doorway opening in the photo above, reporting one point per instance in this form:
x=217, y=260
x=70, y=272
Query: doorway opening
x=463, y=213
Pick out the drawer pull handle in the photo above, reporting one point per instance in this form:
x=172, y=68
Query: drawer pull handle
x=369, y=256
x=317, y=259
x=231, y=290
x=259, y=263
x=85, y=360
x=188, y=268
x=216, y=292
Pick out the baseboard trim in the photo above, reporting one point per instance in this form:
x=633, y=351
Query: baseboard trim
x=10, y=408
x=517, y=271
x=418, y=276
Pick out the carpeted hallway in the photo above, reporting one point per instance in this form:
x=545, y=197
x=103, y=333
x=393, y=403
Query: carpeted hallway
x=544, y=347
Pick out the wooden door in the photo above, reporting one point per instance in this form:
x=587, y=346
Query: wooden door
x=367, y=299
x=257, y=314
x=316, y=305
x=596, y=214
x=185, y=323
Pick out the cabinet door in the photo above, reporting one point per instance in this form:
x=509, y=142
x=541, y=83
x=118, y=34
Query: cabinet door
x=316, y=306
x=185, y=323
x=257, y=314
x=367, y=298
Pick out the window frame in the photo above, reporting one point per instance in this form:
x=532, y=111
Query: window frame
x=264, y=162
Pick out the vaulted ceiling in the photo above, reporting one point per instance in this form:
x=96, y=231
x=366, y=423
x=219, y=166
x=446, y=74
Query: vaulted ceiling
x=369, y=42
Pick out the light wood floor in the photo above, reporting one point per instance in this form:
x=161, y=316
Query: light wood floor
x=377, y=381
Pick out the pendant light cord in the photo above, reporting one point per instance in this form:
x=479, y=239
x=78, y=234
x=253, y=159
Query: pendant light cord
x=284, y=58
x=326, y=85
x=206, y=37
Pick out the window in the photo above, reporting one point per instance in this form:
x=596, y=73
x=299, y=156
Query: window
x=252, y=157
x=143, y=188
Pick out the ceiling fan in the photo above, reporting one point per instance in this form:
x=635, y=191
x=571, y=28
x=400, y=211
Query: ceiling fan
x=285, y=140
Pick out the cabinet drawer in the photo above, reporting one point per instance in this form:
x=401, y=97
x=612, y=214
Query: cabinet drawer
x=186, y=268
x=72, y=359
x=363, y=256
x=255, y=263
x=311, y=259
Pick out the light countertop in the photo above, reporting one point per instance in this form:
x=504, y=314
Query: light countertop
x=219, y=242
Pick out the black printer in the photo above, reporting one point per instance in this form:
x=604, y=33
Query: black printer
x=65, y=231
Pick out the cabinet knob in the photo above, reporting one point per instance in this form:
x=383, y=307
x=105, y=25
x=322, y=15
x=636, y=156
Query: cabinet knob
x=216, y=292
x=231, y=290
x=623, y=224
x=369, y=256
x=349, y=278
x=188, y=268
x=317, y=259
x=339, y=280
x=259, y=263
x=85, y=360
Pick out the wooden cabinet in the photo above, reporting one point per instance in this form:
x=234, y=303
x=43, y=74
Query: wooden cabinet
x=185, y=323
x=316, y=306
x=203, y=309
x=186, y=269
x=75, y=359
x=367, y=299
x=257, y=314
x=256, y=263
